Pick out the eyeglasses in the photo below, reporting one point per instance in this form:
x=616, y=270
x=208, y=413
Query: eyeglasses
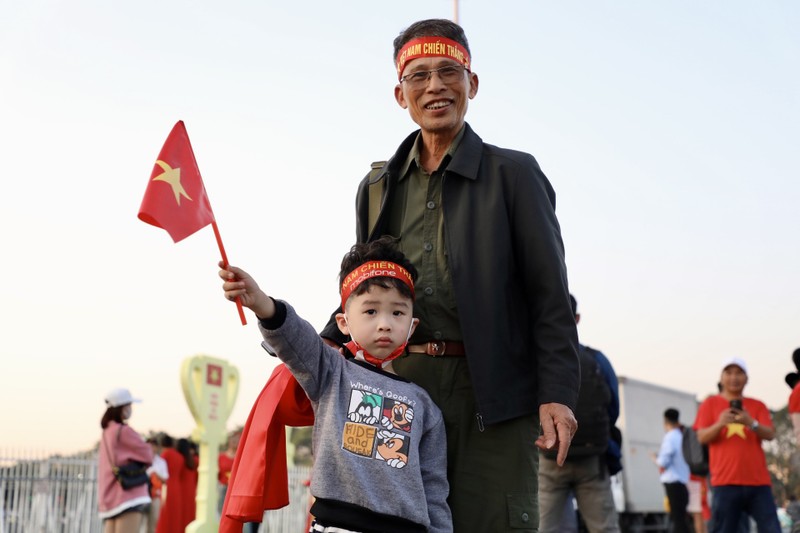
x=448, y=74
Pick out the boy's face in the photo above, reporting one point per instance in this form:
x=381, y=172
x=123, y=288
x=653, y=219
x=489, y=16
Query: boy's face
x=380, y=320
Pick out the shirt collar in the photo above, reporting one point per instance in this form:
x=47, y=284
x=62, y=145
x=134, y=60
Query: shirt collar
x=414, y=153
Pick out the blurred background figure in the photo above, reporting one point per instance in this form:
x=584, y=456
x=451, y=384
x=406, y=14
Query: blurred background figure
x=225, y=466
x=793, y=380
x=593, y=457
x=674, y=471
x=122, y=510
x=189, y=499
x=179, y=500
x=734, y=426
x=698, y=507
x=158, y=474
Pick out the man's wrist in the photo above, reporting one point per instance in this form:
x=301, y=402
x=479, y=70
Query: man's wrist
x=754, y=426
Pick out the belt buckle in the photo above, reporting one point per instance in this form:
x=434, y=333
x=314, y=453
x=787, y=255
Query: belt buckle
x=436, y=348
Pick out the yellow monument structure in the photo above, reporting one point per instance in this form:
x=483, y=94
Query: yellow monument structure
x=210, y=387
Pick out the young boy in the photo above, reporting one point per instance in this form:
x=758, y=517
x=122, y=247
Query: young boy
x=379, y=441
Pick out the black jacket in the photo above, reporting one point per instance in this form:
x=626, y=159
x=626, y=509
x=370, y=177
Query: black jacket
x=506, y=259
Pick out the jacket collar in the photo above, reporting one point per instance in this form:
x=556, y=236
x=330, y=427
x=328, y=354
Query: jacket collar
x=465, y=161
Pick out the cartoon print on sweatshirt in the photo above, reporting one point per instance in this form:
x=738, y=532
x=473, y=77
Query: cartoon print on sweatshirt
x=376, y=425
x=392, y=448
x=364, y=407
x=397, y=415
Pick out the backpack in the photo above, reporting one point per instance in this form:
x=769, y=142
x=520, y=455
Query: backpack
x=695, y=454
x=614, y=451
x=591, y=411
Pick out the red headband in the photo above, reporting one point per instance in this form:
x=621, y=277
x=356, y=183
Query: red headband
x=431, y=47
x=374, y=269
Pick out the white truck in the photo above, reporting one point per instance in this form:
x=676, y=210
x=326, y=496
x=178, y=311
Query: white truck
x=638, y=493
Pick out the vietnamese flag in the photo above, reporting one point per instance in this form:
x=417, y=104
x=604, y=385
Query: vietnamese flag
x=175, y=199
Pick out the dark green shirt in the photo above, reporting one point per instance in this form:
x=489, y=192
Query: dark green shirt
x=418, y=220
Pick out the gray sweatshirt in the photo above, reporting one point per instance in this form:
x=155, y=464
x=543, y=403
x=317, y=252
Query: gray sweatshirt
x=379, y=440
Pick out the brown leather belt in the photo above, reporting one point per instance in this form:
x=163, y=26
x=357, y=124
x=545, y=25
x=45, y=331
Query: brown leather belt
x=439, y=348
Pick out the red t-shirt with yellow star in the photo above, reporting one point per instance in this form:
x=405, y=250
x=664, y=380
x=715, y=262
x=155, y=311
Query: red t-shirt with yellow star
x=735, y=456
x=794, y=399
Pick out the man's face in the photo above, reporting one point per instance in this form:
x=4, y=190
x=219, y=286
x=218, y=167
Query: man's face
x=733, y=379
x=437, y=107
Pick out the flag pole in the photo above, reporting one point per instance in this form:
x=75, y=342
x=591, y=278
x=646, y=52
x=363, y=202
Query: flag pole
x=225, y=260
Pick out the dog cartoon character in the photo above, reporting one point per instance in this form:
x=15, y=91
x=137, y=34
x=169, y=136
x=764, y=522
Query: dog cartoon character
x=364, y=407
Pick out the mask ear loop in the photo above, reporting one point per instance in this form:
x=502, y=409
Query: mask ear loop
x=411, y=325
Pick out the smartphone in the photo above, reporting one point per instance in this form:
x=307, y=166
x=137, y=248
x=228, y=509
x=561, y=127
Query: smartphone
x=736, y=404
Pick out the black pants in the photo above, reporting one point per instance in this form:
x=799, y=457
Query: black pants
x=678, y=496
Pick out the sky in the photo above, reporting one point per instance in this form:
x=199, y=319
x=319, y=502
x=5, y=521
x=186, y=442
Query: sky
x=669, y=131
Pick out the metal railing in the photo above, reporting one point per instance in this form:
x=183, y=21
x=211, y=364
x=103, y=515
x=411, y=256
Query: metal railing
x=59, y=495
x=48, y=495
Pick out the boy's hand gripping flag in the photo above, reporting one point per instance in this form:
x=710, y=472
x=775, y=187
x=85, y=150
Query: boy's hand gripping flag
x=176, y=199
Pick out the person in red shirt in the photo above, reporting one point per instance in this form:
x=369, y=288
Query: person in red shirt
x=178, y=508
x=189, y=498
x=733, y=426
x=793, y=380
x=225, y=466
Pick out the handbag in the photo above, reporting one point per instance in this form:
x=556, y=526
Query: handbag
x=129, y=475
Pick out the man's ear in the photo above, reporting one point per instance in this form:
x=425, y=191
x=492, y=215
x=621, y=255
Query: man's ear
x=400, y=96
x=342, y=323
x=473, y=85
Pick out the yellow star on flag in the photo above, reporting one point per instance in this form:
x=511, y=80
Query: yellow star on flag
x=214, y=376
x=173, y=177
x=736, y=429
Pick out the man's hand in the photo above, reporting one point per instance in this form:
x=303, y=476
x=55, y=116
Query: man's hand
x=558, y=427
x=727, y=416
x=742, y=417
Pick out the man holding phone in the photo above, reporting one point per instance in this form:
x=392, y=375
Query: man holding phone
x=733, y=427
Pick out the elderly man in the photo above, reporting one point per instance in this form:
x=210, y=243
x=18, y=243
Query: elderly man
x=496, y=347
x=734, y=426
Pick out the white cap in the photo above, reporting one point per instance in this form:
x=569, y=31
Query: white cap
x=735, y=361
x=117, y=397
